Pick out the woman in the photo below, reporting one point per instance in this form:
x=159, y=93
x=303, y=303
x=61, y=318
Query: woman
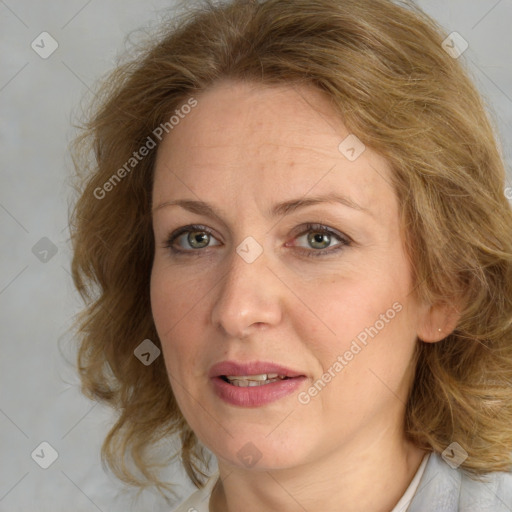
x=252, y=136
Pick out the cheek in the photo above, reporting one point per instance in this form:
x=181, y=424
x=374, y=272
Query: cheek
x=167, y=311
x=363, y=316
x=173, y=297
x=343, y=306
x=176, y=317
x=176, y=307
x=163, y=304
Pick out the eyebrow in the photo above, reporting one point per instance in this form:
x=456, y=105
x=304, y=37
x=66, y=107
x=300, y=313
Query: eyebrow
x=284, y=208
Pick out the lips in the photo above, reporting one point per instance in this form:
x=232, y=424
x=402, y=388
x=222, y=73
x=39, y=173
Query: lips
x=251, y=391
x=251, y=368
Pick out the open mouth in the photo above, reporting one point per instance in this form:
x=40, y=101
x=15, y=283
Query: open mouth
x=242, y=387
x=253, y=380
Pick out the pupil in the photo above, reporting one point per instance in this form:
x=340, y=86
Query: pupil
x=317, y=239
x=195, y=237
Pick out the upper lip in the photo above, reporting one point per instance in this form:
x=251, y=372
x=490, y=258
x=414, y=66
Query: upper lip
x=250, y=368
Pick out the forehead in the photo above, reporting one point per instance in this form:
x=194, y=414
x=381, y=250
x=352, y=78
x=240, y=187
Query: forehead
x=258, y=117
x=280, y=141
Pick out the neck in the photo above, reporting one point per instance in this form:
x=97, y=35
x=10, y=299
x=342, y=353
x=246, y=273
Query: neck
x=369, y=476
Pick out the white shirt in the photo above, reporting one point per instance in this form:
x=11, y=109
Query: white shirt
x=199, y=501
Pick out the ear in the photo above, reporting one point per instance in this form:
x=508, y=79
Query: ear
x=437, y=321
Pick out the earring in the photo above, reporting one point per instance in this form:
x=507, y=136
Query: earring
x=439, y=329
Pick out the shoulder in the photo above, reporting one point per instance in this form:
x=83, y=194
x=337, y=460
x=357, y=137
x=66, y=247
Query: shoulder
x=200, y=499
x=492, y=494
x=446, y=489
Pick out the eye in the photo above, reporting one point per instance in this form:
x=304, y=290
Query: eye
x=320, y=238
x=192, y=238
x=195, y=236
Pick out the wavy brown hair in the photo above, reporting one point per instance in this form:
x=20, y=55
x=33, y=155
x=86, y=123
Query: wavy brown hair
x=386, y=73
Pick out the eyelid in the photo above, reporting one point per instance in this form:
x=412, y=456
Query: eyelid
x=344, y=240
x=320, y=227
x=168, y=243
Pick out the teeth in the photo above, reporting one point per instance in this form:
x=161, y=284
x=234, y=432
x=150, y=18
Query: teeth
x=251, y=383
x=254, y=380
x=261, y=376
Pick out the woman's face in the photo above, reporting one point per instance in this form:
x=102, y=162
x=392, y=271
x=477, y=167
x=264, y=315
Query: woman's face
x=252, y=283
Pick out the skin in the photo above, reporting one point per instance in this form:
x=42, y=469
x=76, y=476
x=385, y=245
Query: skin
x=242, y=149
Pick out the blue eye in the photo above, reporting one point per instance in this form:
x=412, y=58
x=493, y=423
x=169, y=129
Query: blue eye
x=318, y=236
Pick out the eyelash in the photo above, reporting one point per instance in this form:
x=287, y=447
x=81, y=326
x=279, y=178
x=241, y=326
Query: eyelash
x=317, y=228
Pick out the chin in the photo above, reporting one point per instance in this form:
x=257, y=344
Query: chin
x=260, y=451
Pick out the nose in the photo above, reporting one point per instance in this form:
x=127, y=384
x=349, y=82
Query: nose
x=249, y=297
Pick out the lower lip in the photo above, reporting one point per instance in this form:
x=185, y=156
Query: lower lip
x=255, y=396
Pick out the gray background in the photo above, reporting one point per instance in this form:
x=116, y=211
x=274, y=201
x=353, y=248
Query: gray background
x=40, y=398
